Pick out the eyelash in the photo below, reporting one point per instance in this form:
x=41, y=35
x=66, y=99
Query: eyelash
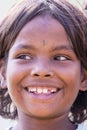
x=24, y=57
x=57, y=57
x=61, y=58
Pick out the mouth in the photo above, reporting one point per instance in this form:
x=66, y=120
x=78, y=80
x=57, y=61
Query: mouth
x=42, y=90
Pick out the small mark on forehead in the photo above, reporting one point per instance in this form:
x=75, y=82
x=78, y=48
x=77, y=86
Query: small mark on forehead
x=44, y=42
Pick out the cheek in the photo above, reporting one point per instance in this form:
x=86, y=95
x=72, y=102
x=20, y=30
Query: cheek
x=17, y=71
x=73, y=81
x=70, y=75
x=70, y=72
x=15, y=74
x=73, y=85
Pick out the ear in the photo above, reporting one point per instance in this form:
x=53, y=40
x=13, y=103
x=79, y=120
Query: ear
x=3, y=74
x=84, y=81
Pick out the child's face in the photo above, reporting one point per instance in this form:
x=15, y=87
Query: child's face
x=43, y=73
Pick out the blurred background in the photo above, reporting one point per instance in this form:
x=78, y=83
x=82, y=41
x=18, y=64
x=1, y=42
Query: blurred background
x=4, y=6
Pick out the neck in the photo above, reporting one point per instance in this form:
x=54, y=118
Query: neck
x=28, y=123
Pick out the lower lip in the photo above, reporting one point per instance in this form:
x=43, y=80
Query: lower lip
x=43, y=96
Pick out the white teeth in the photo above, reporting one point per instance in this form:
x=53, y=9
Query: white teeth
x=42, y=90
x=39, y=90
x=32, y=89
x=45, y=90
x=53, y=90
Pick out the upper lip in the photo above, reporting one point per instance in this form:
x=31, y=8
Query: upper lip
x=42, y=85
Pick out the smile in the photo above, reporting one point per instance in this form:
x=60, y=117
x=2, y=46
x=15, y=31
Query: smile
x=42, y=90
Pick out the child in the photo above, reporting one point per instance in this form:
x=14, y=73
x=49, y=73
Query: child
x=43, y=65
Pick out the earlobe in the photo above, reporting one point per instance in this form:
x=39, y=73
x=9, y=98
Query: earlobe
x=84, y=81
x=2, y=75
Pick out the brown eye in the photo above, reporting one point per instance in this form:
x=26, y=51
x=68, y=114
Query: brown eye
x=25, y=57
x=61, y=58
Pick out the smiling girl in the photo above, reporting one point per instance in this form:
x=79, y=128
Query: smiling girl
x=43, y=65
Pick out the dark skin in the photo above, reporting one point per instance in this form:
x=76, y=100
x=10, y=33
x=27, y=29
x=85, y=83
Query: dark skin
x=52, y=124
x=38, y=84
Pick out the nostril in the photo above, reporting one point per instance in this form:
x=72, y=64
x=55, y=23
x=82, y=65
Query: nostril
x=47, y=75
x=42, y=74
x=36, y=74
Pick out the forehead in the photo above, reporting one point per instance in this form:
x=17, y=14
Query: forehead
x=46, y=30
x=43, y=24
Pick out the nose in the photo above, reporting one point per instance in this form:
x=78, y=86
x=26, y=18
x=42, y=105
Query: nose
x=40, y=70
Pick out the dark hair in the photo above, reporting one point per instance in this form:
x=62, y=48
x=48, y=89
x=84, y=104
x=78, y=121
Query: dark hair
x=74, y=22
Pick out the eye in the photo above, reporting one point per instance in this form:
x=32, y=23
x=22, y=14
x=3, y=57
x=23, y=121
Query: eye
x=25, y=57
x=61, y=58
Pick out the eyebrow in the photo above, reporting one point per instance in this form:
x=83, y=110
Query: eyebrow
x=63, y=47
x=21, y=46
x=56, y=48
